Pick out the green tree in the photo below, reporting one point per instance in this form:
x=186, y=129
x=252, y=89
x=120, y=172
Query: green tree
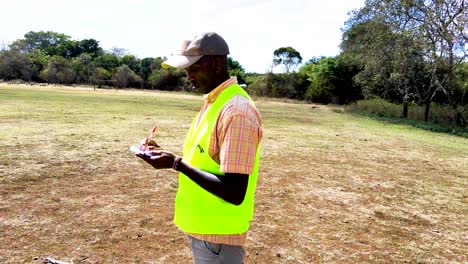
x=53, y=43
x=288, y=57
x=460, y=84
x=58, y=70
x=330, y=80
x=257, y=84
x=131, y=61
x=408, y=48
x=236, y=69
x=90, y=46
x=460, y=93
x=107, y=61
x=125, y=77
x=100, y=74
x=83, y=67
x=68, y=49
x=148, y=66
x=168, y=79
x=443, y=25
x=15, y=65
x=284, y=85
x=372, y=44
x=47, y=41
x=39, y=60
x=291, y=85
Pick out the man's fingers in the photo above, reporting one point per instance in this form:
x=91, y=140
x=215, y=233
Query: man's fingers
x=149, y=155
x=139, y=155
x=154, y=153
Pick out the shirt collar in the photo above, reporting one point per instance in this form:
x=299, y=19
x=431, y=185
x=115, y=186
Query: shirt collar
x=211, y=96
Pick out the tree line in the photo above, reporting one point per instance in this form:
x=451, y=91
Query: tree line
x=402, y=51
x=55, y=58
x=410, y=51
x=52, y=57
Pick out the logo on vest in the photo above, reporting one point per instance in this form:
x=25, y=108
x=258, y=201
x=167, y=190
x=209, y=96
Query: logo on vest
x=200, y=148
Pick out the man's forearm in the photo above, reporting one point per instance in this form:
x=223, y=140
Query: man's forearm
x=230, y=187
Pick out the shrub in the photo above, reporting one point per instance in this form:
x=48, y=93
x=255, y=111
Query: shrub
x=331, y=80
x=257, y=85
x=286, y=85
x=58, y=70
x=125, y=77
x=15, y=65
x=439, y=114
x=169, y=79
x=377, y=106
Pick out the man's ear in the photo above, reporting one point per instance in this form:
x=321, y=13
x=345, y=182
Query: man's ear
x=218, y=64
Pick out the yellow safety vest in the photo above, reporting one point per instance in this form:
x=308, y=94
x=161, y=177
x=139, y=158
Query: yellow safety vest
x=197, y=210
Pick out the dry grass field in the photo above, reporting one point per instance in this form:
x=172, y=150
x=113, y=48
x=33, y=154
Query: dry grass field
x=333, y=187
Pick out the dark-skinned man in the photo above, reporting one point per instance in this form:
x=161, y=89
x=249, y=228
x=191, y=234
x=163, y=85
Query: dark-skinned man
x=219, y=167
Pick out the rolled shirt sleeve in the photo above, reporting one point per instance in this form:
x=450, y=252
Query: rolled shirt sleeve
x=239, y=134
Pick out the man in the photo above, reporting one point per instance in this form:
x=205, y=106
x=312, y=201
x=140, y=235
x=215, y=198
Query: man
x=219, y=166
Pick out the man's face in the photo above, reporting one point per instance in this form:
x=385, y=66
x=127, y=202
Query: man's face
x=201, y=74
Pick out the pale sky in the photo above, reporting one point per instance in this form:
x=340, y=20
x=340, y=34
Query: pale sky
x=252, y=29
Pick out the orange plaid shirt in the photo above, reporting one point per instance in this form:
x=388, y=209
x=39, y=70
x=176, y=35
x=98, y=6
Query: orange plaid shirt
x=234, y=142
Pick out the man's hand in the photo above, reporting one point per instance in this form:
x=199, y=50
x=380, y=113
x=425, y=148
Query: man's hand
x=149, y=144
x=159, y=159
x=231, y=187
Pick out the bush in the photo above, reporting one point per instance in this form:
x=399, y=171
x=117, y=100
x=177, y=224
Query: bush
x=320, y=94
x=331, y=80
x=169, y=79
x=58, y=70
x=378, y=107
x=278, y=85
x=125, y=77
x=441, y=117
x=292, y=85
x=236, y=69
x=101, y=74
x=257, y=85
x=15, y=65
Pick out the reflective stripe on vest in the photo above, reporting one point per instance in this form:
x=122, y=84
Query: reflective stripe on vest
x=196, y=210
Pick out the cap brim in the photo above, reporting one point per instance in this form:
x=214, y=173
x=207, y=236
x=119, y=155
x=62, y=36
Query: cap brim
x=180, y=61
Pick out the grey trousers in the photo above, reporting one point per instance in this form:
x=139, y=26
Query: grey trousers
x=207, y=253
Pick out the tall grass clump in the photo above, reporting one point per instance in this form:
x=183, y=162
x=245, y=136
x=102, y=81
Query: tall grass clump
x=376, y=106
x=441, y=117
